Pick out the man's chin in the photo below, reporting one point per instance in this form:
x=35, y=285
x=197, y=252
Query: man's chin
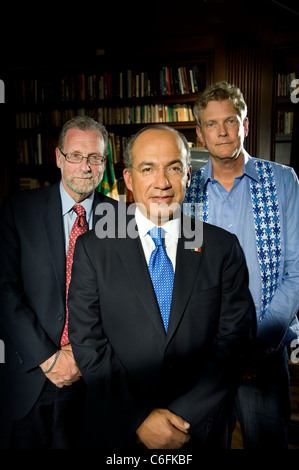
x=161, y=213
x=227, y=158
x=85, y=187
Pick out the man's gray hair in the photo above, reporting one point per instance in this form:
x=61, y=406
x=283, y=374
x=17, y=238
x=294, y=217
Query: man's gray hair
x=84, y=123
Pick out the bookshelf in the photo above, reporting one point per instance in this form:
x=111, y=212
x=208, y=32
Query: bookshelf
x=285, y=101
x=124, y=97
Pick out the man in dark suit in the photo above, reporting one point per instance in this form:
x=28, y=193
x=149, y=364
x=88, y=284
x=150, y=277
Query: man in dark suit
x=42, y=389
x=149, y=383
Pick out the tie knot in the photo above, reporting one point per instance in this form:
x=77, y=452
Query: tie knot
x=80, y=211
x=157, y=234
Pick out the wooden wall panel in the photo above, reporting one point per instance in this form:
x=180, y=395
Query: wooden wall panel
x=244, y=69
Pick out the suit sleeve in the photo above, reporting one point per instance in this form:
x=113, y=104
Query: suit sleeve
x=18, y=320
x=226, y=363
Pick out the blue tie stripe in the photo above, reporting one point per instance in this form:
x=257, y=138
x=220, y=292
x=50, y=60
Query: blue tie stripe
x=162, y=274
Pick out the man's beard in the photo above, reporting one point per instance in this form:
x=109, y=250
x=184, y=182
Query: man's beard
x=88, y=186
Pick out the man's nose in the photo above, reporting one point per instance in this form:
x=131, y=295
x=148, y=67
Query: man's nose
x=85, y=165
x=222, y=130
x=161, y=178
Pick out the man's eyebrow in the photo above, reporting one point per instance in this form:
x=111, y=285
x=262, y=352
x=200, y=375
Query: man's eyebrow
x=177, y=160
x=225, y=119
x=82, y=153
x=145, y=163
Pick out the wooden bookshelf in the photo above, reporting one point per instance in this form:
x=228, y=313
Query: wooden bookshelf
x=124, y=97
x=285, y=99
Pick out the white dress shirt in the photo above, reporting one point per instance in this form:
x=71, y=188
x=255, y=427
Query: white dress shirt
x=172, y=229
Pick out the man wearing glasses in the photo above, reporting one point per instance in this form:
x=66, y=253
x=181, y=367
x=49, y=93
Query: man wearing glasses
x=44, y=394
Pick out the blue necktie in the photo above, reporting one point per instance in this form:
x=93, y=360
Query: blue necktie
x=162, y=275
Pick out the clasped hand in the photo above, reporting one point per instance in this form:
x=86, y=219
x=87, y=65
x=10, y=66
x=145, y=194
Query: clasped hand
x=163, y=429
x=65, y=370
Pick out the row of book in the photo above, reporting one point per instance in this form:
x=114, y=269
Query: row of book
x=55, y=118
x=284, y=122
x=145, y=114
x=285, y=83
x=118, y=145
x=129, y=83
x=36, y=149
x=30, y=150
x=141, y=114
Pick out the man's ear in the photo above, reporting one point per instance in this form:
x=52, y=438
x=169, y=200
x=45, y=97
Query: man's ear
x=127, y=178
x=199, y=135
x=189, y=177
x=246, y=126
x=57, y=153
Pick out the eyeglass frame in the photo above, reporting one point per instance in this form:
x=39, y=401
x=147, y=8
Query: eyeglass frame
x=104, y=158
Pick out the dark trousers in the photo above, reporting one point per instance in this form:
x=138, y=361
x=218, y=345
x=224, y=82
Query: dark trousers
x=263, y=405
x=55, y=420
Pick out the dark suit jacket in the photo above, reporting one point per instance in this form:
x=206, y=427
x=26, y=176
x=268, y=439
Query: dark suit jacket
x=128, y=362
x=32, y=290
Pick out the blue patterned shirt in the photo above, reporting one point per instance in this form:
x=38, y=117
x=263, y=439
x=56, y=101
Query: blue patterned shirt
x=237, y=211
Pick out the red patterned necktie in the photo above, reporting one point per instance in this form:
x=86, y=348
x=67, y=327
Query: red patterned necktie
x=80, y=226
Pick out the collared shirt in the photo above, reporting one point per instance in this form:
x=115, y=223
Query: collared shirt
x=172, y=229
x=233, y=211
x=69, y=216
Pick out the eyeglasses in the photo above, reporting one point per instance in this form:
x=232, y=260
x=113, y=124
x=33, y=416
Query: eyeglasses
x=171, y=171
x=91, y=159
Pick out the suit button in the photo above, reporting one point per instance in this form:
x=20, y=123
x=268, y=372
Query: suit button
x=19, y=356
x=60, y=317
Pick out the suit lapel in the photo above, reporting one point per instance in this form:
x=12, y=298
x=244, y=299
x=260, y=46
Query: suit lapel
x=187, y=266
x=51, y=214
x=53, y=224
x=131, y=253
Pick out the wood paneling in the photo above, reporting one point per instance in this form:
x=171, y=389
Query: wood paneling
x=244, y=69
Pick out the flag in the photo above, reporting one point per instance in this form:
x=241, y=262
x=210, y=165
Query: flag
x=108, y=185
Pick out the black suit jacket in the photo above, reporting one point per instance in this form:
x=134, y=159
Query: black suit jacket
x=32, y=290
x=128, y=362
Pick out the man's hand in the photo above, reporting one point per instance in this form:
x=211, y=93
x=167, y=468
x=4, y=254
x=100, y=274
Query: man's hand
x=65, y=370
x=163, y=429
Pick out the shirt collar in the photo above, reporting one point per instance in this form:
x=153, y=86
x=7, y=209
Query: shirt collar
x=68, y=202
x=144, y=225
x=248, y=169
